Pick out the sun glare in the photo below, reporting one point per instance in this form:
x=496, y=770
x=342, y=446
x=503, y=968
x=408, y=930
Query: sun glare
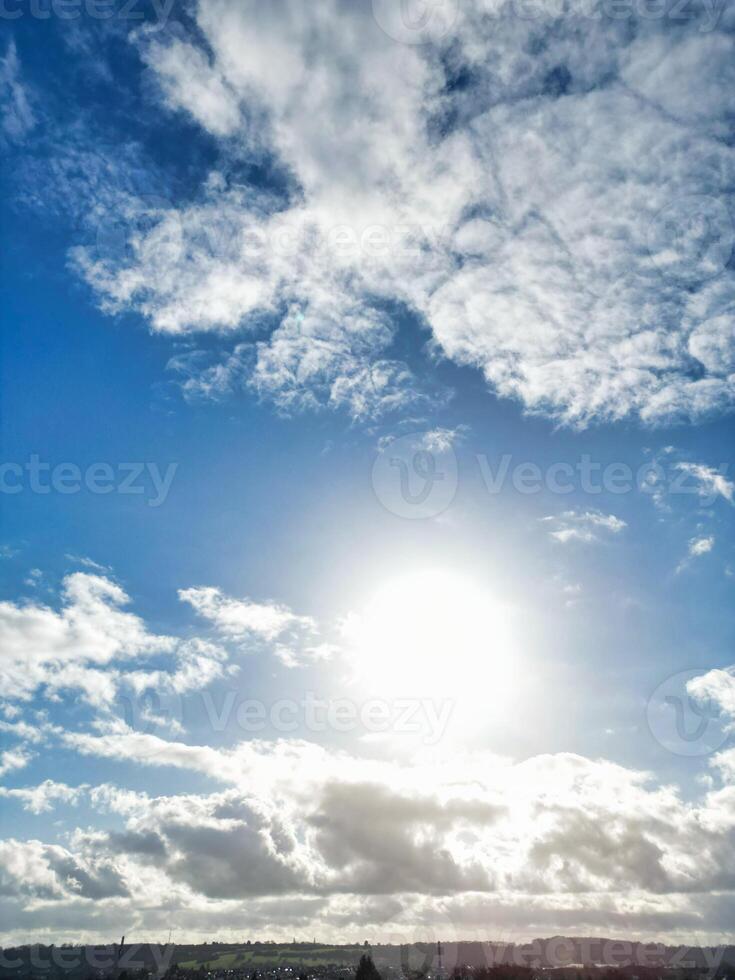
x=434, y=633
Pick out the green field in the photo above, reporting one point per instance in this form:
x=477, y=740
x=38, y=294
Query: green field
x=259, y=957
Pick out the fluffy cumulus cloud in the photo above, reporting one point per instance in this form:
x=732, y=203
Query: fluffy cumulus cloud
x=12, y=759
x=295, y=832
x=67, y=647
x=51, y=872
x=717, y=686
x=92, y=646
x=547, y=190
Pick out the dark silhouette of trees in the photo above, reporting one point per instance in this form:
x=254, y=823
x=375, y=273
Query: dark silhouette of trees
x=366, y=969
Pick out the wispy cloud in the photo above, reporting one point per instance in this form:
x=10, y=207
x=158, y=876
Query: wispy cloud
x=42, y=798
x=16, y=114
x=710, y=483
x=88, y=563
x=240, y=618
x=587, y=526
x=292, y=638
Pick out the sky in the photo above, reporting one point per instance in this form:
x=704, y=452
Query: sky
x=366, y=485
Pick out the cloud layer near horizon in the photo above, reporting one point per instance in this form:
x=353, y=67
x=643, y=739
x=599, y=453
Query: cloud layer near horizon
x=302, y=836
x=289, y=834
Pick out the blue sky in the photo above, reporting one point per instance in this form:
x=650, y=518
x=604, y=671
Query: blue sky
x=263, y=264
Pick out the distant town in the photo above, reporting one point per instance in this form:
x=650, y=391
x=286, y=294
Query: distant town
x=556, y=958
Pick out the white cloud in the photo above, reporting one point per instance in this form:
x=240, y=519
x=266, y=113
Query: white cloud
x=48, y=872
x=65, y=648
x=21, y=729
x=88, y=563
x=701, y=546
x=697, y=548
x=197, y=663
x=42, y=798
x=240, y=618
x=312, y=361
x=294, y=639
x=13, y=759
x=577, y=840
x=711, y=483
x=557, y=831
x=16, y=115
x=560, y=222
x=91, y=645
x=585, y=526
x=717, y=686
x=189, y=83
x=441, y=439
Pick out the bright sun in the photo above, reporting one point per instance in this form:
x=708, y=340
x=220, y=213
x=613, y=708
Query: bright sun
x=434, y=633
